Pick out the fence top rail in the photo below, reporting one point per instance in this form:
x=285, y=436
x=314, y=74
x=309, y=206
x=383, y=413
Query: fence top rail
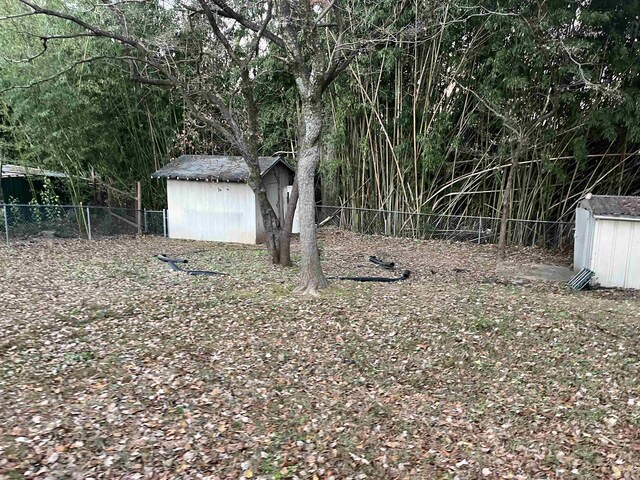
x=397, y=212
x=376, y=210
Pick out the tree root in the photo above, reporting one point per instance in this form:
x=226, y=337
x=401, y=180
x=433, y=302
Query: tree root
x=312, y=286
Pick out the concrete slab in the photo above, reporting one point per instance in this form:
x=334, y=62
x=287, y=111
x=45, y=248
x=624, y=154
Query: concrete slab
x=547, y=273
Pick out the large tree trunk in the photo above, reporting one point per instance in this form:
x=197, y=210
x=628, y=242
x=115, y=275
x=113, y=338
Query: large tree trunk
x=285, y=236
x=312, y=279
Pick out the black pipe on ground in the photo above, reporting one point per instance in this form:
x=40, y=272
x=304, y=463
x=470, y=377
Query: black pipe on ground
x=404, y=276
x=173, y=264
x=381, y=263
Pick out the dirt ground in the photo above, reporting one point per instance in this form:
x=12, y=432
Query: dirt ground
x=113, y=366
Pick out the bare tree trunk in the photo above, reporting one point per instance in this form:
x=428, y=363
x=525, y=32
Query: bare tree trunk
x=506, y=201
x=312, y=279
x=249, y=145
x=270, y=220
x=285, y=236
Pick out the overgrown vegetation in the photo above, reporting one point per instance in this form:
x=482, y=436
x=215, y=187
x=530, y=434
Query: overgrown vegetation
x=88, y=120
x=114, y=366
x=434, y=124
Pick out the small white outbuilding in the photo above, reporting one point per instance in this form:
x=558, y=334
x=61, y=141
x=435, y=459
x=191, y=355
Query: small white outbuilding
x=607, y=239
x=208, y=197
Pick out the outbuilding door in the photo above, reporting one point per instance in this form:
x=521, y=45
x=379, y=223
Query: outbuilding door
x=583, y=240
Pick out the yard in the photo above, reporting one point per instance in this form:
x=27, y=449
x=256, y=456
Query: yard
x=113, y=366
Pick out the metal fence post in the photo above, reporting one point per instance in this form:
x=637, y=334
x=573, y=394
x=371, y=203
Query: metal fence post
x=480, y=231
x=139, y=207
x=89, y=224
x=146, y=229
x=6, y=224
x=164, y=221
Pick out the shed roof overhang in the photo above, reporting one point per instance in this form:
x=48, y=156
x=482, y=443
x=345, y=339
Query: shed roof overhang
x=626, y=218
x=612, y=207
x=18, y=171
x=215, y=168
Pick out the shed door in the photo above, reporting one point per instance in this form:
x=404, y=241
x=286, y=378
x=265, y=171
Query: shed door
x=583, y=242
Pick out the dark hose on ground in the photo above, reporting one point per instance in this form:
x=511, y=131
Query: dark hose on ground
x=173, y=264
x=404, y=276
x=381, y=263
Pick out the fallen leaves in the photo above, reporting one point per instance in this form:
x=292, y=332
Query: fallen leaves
x=53, y=458
x=113, y=367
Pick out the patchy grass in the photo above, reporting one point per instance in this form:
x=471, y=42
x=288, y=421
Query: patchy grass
x=113, y=366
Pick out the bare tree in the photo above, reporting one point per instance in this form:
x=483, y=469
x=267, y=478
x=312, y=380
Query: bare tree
x=515, y=125
x=301, y=42
x=319, y=40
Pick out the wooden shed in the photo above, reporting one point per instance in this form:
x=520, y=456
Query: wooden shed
x=607, y=239
x=208, y=197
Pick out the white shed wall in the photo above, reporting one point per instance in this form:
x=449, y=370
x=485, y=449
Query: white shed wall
x=295, y=228
x=583, y=241
x=217, y=211
x=616, y=253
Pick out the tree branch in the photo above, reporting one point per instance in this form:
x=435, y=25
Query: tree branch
x=55, y=75
x=255, y=44
x=18, y=15
x=227, y=11
x=324, y=13
x=339, y=64
x=508, y=121
x=216, y=31
x=150, y=59
x=97, y=32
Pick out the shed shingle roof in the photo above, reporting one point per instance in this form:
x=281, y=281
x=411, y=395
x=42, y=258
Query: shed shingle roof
x=612, y=206
x=20, y=171
x=223, y=168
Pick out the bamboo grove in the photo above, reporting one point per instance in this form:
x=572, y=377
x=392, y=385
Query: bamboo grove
x=426, y=125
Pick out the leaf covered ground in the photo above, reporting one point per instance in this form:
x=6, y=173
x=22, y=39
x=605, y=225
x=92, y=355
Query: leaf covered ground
x=113, y=366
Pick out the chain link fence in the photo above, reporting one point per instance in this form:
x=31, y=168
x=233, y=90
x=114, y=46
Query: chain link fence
x=555, y=235
x=23, y=222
